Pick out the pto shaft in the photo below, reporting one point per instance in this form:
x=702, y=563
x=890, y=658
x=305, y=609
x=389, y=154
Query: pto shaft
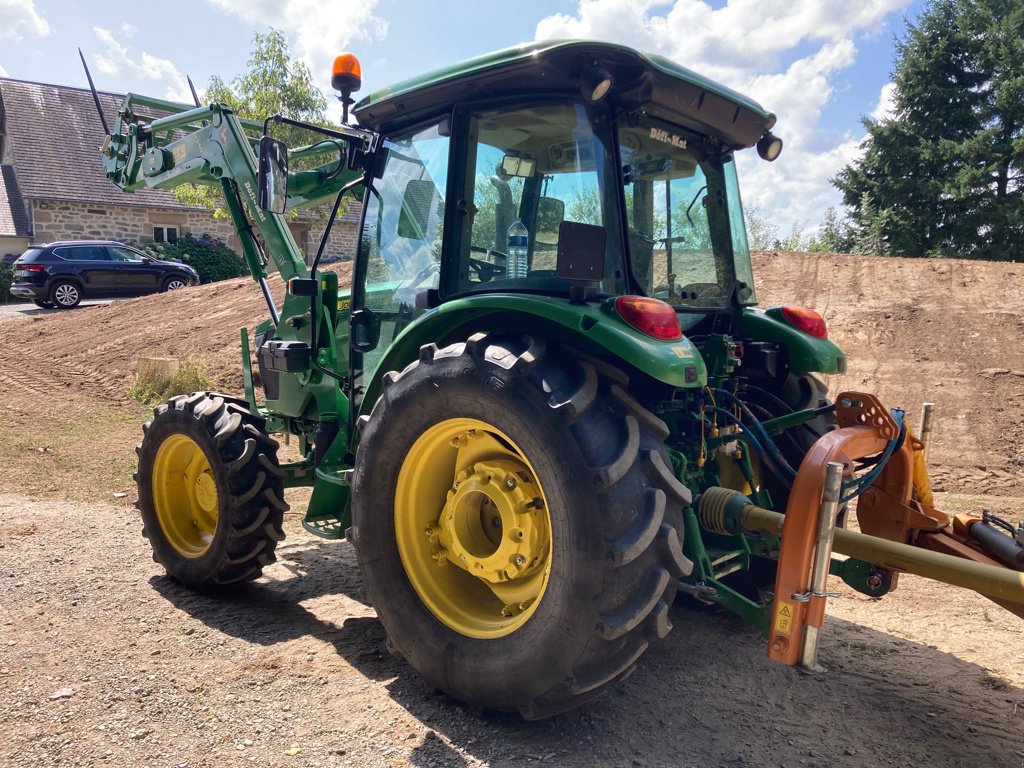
x=989, y=580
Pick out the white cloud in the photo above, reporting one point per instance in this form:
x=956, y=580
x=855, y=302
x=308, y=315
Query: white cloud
x=749, y=45
x=20, y=16
x=886, y=103
x=116, y=57
x=318, y=30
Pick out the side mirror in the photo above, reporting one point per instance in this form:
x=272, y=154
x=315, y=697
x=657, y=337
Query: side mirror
x=273, y=175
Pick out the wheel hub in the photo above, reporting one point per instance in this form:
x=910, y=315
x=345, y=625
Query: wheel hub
x=489, y=526
x=185, y=495
x=473, y=528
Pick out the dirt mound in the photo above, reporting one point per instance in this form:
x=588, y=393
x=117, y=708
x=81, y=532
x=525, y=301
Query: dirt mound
x=914, y=330
x=96, y=349
x=945, y=331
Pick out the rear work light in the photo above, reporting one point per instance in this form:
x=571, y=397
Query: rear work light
x=807, y=320
x=650, y=316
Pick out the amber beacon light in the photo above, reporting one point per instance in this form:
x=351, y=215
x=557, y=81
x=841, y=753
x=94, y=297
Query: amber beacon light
x=346, y=77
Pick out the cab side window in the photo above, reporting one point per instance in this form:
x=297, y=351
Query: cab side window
x=401, y=239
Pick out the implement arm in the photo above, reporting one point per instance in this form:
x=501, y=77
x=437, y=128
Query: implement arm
x=209, y=145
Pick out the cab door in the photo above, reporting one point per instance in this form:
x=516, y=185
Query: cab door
x=399, y=256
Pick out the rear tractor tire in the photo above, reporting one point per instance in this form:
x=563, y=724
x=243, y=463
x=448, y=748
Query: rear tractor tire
x=210, y=490
x=517, y=523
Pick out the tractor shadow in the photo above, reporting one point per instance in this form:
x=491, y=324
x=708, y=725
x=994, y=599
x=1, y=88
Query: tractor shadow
x=271, y=611
x=705, y=696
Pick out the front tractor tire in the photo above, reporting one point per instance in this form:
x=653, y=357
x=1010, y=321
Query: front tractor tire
x=517, y=523
x=210, y=490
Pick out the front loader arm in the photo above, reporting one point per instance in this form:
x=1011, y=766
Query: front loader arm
x=209, y=145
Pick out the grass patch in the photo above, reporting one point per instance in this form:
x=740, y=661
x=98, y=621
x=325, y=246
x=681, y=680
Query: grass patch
x=84, y=453
x=154, y=384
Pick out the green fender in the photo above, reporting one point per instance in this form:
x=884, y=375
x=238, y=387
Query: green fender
x=807, y=354
x=592, y=328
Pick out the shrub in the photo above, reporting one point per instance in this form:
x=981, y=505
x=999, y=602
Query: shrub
x=6, y=275
x=208, y=256
x=189, y=376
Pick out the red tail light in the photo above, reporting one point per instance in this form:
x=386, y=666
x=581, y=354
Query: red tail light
x=30, y=267
x=650, y=316
x=807, y=320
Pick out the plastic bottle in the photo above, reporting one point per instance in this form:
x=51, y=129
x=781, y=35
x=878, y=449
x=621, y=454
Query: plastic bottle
x=518, y=249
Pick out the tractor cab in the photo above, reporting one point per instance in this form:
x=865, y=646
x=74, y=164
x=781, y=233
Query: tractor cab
x=576, y=171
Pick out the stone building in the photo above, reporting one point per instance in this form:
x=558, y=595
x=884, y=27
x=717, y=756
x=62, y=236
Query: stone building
x=53, y=186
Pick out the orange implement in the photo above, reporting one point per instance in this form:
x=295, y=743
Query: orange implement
x=887, y=510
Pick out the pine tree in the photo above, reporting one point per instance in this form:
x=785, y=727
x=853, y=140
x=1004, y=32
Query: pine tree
x=943, y=175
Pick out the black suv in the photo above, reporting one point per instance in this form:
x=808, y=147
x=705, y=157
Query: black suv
x=62, y=274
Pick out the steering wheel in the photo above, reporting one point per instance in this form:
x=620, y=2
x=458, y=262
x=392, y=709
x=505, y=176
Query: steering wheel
x=485, y=270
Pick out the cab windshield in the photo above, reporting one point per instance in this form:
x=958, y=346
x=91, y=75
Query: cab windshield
x=686, y=236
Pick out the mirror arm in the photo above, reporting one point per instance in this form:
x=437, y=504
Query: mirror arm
x=364, y=179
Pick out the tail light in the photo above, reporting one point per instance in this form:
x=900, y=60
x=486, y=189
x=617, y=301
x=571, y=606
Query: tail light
x=652, y=317
x=807, y=320
x=29, y=267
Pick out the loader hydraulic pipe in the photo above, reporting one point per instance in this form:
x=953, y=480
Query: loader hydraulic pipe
x=989, y=580
x=180, y=119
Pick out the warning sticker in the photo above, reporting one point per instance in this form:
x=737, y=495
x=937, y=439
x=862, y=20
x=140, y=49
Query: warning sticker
x=784, y=617
x=683, y=352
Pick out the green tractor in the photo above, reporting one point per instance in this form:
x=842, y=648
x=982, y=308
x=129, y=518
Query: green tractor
x=549, y=348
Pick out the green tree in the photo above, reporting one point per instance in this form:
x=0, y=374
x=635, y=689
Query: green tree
x=943, y=175
x=836, y=235
x=273, y=83
x=762, y=234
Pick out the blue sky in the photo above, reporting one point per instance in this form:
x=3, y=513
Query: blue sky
x=819, y=65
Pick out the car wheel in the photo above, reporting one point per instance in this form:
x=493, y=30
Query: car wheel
x=65, y=294
x=43, y=304
x=175, y=283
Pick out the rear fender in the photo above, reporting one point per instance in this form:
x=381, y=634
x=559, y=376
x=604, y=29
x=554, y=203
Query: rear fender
x=806, y=353
x=593, y=328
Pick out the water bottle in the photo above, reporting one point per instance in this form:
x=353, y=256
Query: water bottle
x=518, y=249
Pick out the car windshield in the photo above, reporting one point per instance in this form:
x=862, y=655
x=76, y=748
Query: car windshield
x=677, y=210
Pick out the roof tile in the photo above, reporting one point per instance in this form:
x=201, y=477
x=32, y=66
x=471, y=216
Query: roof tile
x=56, y=136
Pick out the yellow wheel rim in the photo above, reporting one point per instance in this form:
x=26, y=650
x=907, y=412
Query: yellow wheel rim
x=473, y=528
x=185, y=495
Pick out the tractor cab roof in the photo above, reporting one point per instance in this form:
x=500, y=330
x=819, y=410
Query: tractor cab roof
x=560, y=68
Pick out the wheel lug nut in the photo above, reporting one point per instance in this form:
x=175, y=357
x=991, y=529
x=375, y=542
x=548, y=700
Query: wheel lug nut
x=510, y=483
x=496, y=521
x=520, y=560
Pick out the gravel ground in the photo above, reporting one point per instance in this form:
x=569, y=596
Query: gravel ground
x=104, y=662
